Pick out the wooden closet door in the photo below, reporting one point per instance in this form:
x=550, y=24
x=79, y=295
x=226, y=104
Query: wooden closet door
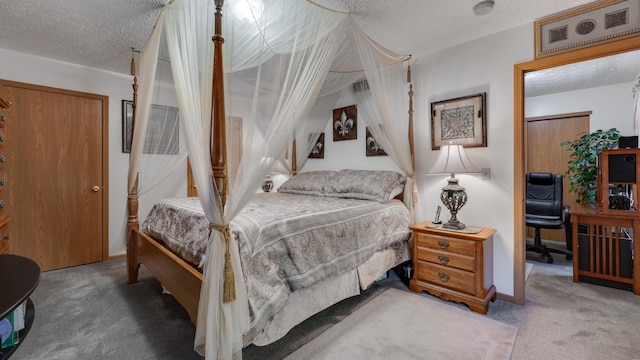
x=57, y=175
x=544, y=153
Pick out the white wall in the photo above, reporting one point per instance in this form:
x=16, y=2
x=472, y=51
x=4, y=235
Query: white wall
x=483, y=65
x=348, y=154
x=611, y=106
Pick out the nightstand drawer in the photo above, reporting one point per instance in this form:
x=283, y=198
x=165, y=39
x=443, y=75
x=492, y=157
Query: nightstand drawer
x=451, y=278
x=446, y=244
x=457, y=261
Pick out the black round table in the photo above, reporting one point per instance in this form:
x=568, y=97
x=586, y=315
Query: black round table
x=19, y=276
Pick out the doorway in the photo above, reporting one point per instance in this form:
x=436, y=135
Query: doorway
x=519, y=150
x=57, y=174
x=545, y=154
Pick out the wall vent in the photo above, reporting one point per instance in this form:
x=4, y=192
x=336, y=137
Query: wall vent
x=360, y=86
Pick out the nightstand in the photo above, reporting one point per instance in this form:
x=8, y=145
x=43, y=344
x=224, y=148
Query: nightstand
x=454, y=265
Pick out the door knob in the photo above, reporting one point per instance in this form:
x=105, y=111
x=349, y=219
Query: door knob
x=95, y=188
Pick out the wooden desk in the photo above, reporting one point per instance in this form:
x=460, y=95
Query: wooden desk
x=19, y=276
x=605, y=240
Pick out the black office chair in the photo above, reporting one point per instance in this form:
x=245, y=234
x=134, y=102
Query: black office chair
x=545, y=210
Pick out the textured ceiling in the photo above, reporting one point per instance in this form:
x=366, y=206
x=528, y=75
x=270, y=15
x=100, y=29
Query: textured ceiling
x=101, y=33
x=611, y=70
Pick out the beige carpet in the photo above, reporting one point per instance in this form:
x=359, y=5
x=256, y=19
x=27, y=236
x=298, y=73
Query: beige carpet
x=403, y=325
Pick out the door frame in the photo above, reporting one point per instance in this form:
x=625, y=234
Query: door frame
x=519, y=142
x=105, y=149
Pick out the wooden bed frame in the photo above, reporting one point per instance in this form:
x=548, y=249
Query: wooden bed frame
x=180, y=278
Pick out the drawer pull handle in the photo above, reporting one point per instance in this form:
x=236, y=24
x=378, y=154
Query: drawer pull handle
x=1, y=180
x=6, y=235
x=3, y=117
x=1, y=204
x=443, y=259
x=1, y=137
x=443, y=276
x=1, y=158
x=443, y=244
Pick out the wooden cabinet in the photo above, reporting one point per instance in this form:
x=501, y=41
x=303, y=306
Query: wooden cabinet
x=455, y=266
x=604, y=244
x=4, y=218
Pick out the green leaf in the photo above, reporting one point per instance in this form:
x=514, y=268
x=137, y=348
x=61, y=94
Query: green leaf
x=582, y=169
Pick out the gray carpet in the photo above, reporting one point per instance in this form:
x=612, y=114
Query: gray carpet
x=403, y=325
x=88, y=312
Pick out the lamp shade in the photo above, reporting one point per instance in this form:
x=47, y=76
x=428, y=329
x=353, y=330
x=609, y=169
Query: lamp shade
x=453, y=160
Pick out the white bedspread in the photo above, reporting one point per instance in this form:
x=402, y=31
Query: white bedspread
x=287, y=242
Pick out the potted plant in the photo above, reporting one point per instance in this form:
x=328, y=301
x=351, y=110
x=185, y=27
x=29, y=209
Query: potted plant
x=583, y=163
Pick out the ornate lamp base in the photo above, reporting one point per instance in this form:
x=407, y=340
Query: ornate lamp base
x=457, y=225
x=453, y=197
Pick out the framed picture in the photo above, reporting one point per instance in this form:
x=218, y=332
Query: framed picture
x=373, y=148
x=460, y=121
x=318, y=149
x=167, y=135
x=588, y=25
x=345, y=123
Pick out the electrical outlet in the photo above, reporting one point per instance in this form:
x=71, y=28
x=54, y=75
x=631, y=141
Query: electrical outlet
x=486, y=173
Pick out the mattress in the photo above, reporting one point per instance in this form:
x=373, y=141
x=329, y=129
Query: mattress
x=287, y=242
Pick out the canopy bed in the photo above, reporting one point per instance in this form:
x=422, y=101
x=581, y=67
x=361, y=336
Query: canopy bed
x=286, y=63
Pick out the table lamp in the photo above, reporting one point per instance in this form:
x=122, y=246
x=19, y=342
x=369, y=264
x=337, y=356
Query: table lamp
x=452, y=160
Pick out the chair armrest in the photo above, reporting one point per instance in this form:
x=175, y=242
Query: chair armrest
x=566, y=214
x=566, y=211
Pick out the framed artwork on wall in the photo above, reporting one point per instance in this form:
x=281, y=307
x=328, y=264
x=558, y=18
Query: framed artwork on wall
x=461, y=121
x=318, y=149
x=163, y=125
x=588, y=25
x=345, y=123
x=373, y=148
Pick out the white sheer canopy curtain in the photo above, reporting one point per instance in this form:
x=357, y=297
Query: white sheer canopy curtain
x=286, y=62
x=385, y=106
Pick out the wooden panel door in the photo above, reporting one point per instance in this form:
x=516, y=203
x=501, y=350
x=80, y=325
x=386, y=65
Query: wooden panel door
x=544, y=153
x=57, y=173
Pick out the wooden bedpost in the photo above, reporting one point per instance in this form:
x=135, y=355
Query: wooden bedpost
x=219, y=148
x=410, y=131
x=411, y=147
x=294, y=160
x=218, y=131
x=133, y=222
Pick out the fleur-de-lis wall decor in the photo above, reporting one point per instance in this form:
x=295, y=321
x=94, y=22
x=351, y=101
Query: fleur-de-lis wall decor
x=317, y=152
x=373, y=148
x=345, y=123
